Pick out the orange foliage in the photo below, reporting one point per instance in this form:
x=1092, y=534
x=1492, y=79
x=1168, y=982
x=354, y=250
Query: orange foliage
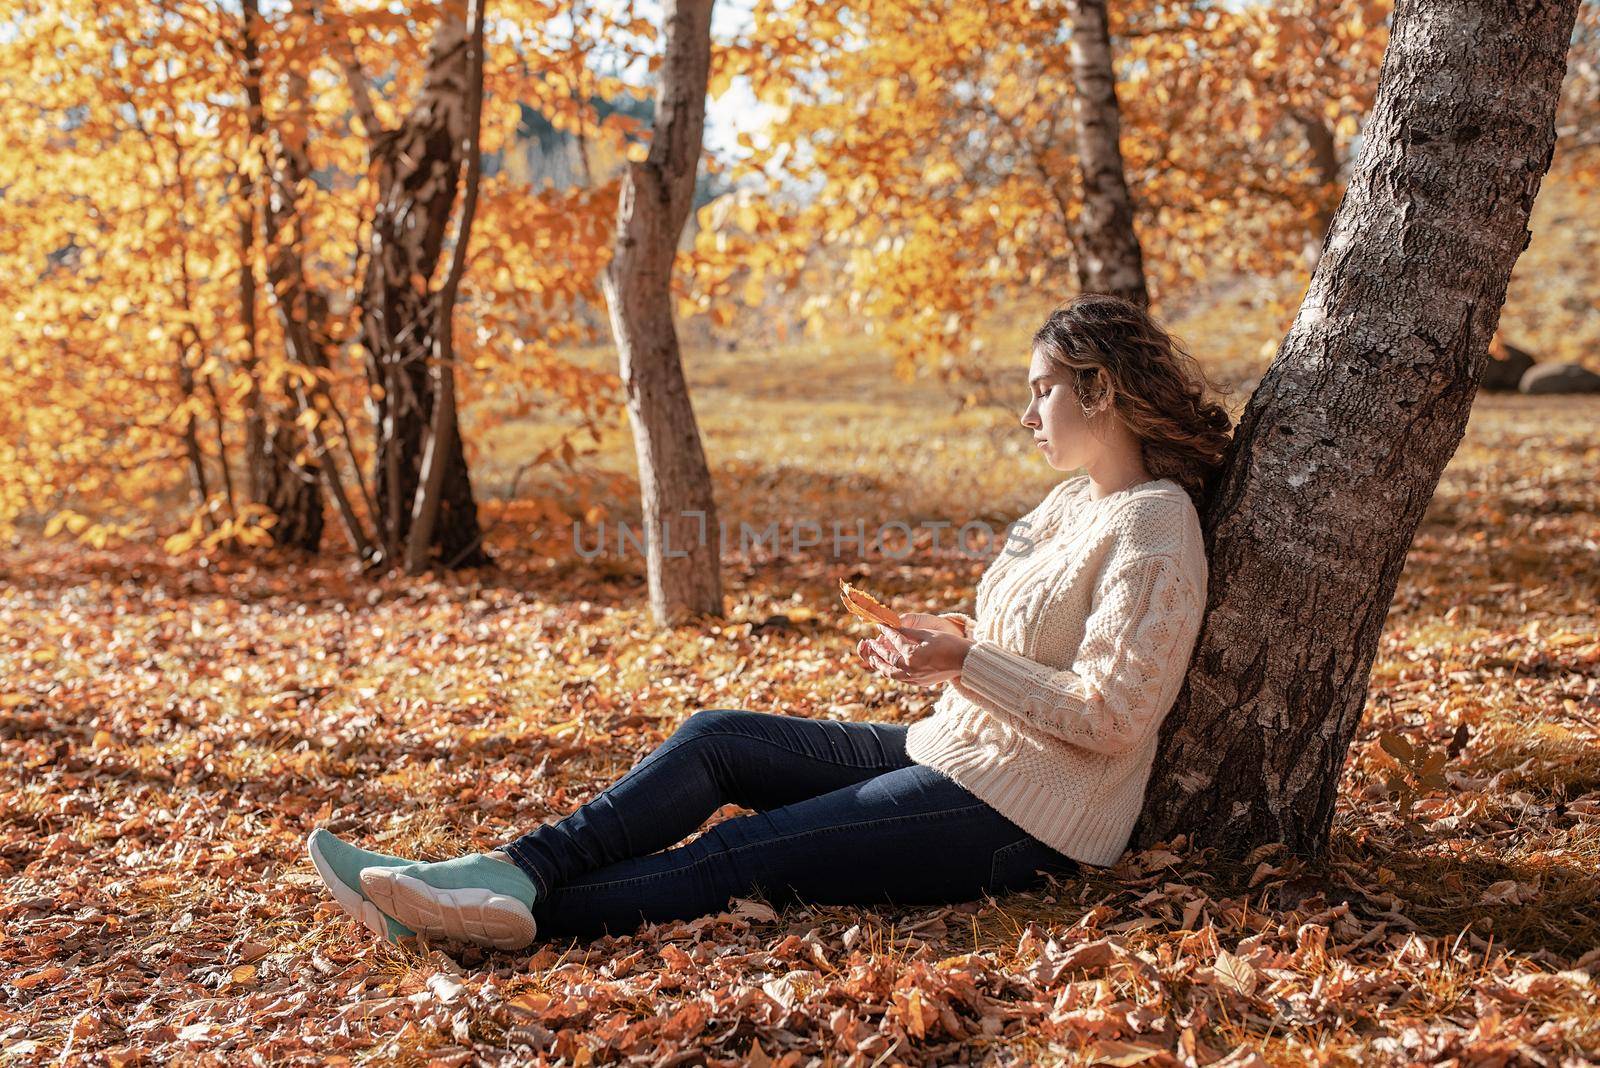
x=941, y=147
x=125, y=150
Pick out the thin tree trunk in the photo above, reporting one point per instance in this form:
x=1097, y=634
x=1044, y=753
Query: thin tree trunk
x=186, y=376
x=680, y=513
x=1325, y=165
x=443, y=441
x=1109, y=257
x=255, y=433
x=191, y=440
x=1340, y=449
x=417, y=168
x=291, y=488
x=277, y=480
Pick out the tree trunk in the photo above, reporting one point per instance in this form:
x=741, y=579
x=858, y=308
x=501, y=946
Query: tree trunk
x=291, y=491
x=1342, y=445
x=191, y=439
x=444, y=444
x=1325, y=165
x=417, y=168
x=1109, y=258
x=275, y=479
x=255, y=423
x=682, y=537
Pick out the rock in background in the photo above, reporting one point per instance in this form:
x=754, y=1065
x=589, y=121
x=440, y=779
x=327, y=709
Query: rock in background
x=1507, y=364
x=1559, y=378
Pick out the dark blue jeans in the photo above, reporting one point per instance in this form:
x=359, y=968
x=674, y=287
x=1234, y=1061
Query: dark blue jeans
x=842, y=816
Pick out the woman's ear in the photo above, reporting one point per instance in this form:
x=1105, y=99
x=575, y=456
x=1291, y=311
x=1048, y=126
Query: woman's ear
x=1099, y=391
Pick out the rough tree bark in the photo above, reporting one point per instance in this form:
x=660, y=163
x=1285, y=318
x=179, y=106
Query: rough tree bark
x=682, y=534
x=1109, y=257
x=1341, y=447
x=443, y=441
x=417, y=168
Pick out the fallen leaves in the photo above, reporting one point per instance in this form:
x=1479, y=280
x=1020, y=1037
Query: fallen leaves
x=165, y=762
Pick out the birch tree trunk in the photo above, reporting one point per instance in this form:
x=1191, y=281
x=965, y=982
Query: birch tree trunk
x=680, y=514
x=1342, y=445
x=1109, y=257
x=417, y=168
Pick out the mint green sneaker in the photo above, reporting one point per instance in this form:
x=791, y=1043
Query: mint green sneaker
x=340, y=864
x=474, y=898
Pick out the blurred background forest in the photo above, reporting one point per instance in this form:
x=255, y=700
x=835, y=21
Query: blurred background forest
x=884, y=210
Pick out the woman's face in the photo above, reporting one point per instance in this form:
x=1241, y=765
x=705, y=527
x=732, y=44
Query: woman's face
x=1060, y=429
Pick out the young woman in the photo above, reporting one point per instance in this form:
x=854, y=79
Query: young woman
x=1035, y=757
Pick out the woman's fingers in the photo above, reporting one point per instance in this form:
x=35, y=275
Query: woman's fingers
x=882, y=661
x=895, y=640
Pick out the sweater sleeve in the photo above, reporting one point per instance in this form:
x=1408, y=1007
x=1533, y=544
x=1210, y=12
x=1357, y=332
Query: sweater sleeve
x=1142, y=626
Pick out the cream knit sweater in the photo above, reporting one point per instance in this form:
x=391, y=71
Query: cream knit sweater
x=1082, y=643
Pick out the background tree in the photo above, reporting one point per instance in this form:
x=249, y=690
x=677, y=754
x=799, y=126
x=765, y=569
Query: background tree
x=922, y=172
x=1109, y=258
x=443, y=448
x=151, y=143
x=416, y=168
x=680, y=513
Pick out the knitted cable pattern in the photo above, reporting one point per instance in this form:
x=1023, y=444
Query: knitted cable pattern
x=1081, y=646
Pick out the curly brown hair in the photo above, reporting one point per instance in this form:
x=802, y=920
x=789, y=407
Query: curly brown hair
x=1157, y=388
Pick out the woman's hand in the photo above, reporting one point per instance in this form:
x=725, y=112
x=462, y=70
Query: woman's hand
x=929, y=621
x=917, y=655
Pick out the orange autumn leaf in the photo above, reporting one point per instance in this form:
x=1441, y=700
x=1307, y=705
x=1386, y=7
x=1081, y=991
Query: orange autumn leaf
x=869, y=608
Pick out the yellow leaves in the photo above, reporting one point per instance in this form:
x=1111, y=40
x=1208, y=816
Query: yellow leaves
x=714, y=214
x=824, y=28
x=754, y=291
x=244, y=975
x=182, y=542
x=73, y=522
x=748, y=215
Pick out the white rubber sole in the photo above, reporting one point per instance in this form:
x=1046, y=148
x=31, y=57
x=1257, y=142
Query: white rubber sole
x=349, y=898
x=474, y=915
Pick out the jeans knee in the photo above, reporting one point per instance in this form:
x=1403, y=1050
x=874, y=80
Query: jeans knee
x=710, y=720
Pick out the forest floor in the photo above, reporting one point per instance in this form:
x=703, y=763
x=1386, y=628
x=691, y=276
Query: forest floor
x=173, y=729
